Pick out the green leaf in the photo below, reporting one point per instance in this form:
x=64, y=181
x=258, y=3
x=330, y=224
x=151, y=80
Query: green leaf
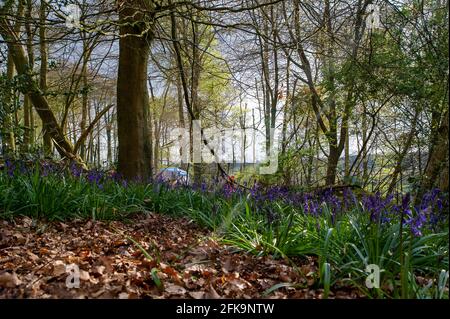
x=159, y=284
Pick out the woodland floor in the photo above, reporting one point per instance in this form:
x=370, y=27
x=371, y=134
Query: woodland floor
x=186, y=262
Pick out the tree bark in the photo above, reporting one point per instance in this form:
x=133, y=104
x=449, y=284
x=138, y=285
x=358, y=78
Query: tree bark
x=436, y=171
x=10, y=140
x=132, y=91
x=47, y=140
x=109, y=125
x=195, y=80
x=180, y=117
x=84, y=102
x=26, y=103
x=10, y=71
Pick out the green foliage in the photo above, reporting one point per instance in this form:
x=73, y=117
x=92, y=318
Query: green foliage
x=9, y=101
x=344, y=244
x=57, y=198
x=344, y=247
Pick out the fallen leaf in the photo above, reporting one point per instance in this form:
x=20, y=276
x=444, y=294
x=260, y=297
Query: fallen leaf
x=227, y=266
x=9, y=280
x=174, y=289
x=197, y=294
x=59, y=268
x=20, y=238
x=123, y=295
x=99, y=270
x=33, y=257
x=284, y=277
x=172, y=273
x=84, y=275
x=212, y=293
x=27, y=222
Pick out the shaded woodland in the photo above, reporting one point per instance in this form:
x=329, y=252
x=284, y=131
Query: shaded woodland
x=101, y=99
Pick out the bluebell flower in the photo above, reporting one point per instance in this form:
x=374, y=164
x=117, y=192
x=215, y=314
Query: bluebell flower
x=405, y=201
x=416, y=222
x=76, y=170
x=94, y=176
x=46, y=169
x=10, y=167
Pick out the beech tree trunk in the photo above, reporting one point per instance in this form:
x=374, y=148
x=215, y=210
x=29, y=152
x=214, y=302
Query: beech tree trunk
x=132, y=91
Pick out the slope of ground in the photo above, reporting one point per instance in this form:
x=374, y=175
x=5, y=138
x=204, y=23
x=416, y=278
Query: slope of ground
x=151, y=256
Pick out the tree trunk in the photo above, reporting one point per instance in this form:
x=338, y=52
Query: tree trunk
x=180, y=118
x=333, y=159
x=26, y=123
x=436, y=171
x=47, y=140
x=157, y=128
x=9, y=137
x=26, y=103
x=99, y=162
x=108, y=123
x=365, y=160
x=132, y=92
x=89, y=152
x=84, y=102
x=195, y=78
x=347, y=155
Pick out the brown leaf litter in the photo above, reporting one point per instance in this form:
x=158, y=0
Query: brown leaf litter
x=151, y=256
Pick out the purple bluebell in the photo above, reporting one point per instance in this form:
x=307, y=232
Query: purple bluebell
x=10, y=167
